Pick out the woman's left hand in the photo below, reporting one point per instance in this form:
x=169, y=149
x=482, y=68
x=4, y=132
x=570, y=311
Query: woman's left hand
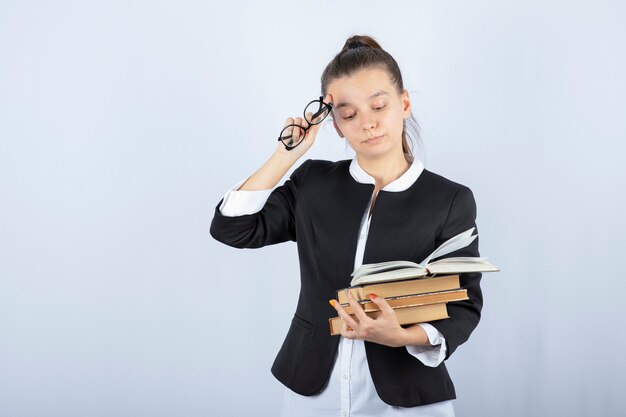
x=385, y=329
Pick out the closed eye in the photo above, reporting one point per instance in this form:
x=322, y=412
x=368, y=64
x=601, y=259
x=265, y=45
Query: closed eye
x=352, y=116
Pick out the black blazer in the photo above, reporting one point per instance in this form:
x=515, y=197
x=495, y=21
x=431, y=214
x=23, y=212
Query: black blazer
x=321, y=207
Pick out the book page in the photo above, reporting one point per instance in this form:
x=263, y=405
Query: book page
x=460, y=265
x=383, y=266
x=454, y=243
x=393, y=275
x=459, y=259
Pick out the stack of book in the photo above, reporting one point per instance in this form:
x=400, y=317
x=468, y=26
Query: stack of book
x=417, y=293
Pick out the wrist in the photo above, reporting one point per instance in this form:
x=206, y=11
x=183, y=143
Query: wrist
x=415, y=335
x=284, y=158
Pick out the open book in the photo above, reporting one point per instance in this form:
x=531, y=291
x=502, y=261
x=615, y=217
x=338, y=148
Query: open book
x=398, y=270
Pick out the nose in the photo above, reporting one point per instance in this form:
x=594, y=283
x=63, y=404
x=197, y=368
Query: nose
x=369, y=123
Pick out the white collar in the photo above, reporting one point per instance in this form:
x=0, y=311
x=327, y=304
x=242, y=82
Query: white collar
x=399, y=184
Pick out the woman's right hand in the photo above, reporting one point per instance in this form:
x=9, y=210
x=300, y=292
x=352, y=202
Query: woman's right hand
x=309, y=137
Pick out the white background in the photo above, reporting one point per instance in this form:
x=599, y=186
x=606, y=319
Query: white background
x=123, y=123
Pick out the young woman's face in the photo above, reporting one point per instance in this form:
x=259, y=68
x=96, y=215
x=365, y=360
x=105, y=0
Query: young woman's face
x=366, y=105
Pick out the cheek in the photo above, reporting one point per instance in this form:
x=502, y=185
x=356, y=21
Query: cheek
x=396, y=122
x=346, y=126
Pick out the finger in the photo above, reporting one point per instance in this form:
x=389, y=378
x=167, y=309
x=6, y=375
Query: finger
x=289, y=131
x=347, y=331
x=384, y=306
x=329, y=99
x=309, y=116
x=312, y=131
x=347, y=318
x=304, y=122
x=298, y=131
x=356, y=307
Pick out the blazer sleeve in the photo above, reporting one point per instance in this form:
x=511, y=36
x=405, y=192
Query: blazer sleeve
x=464, y=315
x=237, y=202
x=274, y=223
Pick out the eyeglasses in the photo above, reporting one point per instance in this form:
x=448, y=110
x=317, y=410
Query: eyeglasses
x=293, y=134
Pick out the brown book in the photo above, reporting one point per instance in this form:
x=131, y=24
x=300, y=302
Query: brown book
x=413, y=300
x=405, y=315
x=400, y=288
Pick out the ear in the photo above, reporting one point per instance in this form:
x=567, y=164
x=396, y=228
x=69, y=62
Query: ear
x=406, y=103
x=337, y=129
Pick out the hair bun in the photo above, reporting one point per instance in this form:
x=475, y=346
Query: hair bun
x=360, y=41
x=355, y=44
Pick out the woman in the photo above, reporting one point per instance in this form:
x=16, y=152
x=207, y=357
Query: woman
x=382, y=205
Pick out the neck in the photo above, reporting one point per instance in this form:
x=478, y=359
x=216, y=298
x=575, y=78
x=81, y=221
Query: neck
x=386, y=170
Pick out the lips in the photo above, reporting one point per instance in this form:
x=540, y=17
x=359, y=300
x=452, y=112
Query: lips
x=374, y=139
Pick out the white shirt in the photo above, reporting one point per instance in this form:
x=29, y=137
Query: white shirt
x=350, y=391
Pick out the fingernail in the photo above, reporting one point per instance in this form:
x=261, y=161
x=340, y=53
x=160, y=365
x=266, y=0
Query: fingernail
x=331, y=302
x=373, y=296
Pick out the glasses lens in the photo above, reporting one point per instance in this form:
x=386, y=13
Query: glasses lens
x=292, y=135
x=317, y=114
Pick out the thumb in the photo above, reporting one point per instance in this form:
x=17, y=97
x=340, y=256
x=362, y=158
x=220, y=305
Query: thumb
x=312, y=132
x=313, y=127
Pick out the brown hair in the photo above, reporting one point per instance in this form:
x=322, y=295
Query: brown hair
x=361, y=52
